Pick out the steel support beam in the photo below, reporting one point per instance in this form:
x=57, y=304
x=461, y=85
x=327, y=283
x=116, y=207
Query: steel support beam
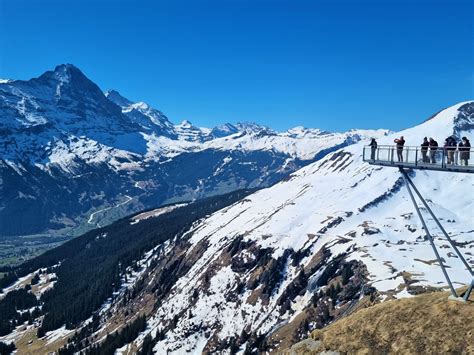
x=468, y=267
x=428, y=234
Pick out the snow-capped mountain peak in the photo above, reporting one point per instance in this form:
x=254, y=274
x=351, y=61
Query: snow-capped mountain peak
x=300, y=132
x=69, y=74
x=141, y=106
x=254, y=128
x=118, y=99
x=142, y=114
x=186, y=124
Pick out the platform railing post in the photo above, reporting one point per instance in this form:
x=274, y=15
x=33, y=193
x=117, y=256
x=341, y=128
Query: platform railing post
x=428, y=234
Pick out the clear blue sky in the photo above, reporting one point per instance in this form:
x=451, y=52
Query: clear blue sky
x=329, y=64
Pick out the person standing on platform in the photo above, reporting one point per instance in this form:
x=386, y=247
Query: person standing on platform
x=400, y=143
x=424, y=150
x=373, y=149
x=464, y=148
x=450, y=149
x=433, y=148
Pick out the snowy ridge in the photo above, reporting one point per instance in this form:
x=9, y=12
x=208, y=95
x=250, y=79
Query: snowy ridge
x=69, y=110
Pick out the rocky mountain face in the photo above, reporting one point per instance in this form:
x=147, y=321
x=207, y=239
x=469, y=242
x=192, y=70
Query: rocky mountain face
x=256, y=272
x=73, y=158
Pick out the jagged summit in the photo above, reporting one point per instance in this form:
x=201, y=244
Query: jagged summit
x=254, y=128
x=142, y=114
x=300, y=131
x=64, y=73
x=67, y=69
x=224, y=130
x=186, y=124
x=116, y=98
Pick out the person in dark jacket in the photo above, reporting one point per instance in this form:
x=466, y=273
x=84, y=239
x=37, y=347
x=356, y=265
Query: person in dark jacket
x=373, y=148
x=464, y=148
x=400, y=143
x=433, y=148
x=424, y=150
x=450, y=149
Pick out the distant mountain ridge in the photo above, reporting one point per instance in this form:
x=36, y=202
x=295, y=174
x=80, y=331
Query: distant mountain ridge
x=73, y=157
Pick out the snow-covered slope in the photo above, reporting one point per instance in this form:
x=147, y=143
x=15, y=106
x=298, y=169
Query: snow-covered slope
x=62, y=141
x=337, y=206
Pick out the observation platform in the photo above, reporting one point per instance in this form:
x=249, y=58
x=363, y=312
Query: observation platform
x=440, y=159
x=411, y=157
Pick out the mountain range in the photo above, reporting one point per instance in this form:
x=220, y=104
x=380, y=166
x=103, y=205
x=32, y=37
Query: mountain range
x=250, y=271
x=73, y=157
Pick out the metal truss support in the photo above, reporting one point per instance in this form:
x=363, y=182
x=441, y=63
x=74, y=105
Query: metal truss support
x=453, y=244
x=408, y=183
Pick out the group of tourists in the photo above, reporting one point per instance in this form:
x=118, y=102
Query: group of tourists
x=429, y=148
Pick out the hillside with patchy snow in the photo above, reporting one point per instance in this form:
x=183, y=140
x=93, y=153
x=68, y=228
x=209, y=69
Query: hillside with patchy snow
x=338, y=206
x=265, y=271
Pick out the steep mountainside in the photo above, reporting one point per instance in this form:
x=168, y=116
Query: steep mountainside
x=72, y=158
x=265, y=271
x=265, y=264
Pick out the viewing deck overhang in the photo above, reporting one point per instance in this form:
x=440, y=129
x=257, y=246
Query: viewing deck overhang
x=439, y=159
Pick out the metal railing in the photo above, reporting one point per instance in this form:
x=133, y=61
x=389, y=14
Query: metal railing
x=441, y=158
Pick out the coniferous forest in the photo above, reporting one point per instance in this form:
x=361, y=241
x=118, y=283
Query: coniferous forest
x=89, y=269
